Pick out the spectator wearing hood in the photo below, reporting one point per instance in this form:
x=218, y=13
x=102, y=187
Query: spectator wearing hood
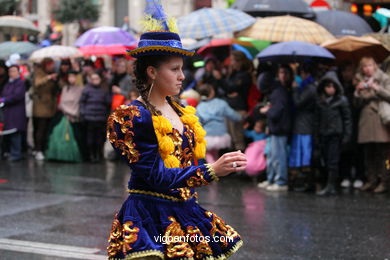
x=333, y=123
x=304, y=100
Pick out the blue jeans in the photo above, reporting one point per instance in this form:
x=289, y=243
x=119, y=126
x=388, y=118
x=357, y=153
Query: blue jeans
x=15, y=145
x=277, y=160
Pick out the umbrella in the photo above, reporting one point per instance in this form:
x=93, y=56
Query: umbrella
x=341, y=23
x=207, y=22
x=56, y=51
x=294, y=51
x=105, y=50
x=384, y=38
x=287, y=28
x=22, y=48
x=16, y=25
x=382, y=15
x=105, y=40
x=352, y=49
x=265, y=8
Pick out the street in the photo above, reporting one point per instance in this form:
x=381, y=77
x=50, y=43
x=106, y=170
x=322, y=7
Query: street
x=62, y=211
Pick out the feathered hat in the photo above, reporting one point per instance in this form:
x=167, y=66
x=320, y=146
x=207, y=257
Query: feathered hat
x=160, y=35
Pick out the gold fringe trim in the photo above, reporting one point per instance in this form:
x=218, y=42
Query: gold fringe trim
x=160, y=48
x=140, y=254
x=211, y=171
x=156, y=194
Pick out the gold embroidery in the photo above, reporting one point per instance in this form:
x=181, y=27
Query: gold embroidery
x=198, y=180
x=176, y=247
x=211, y=172
x=221, y=229
x=185, y=193
x=162, y=195
x=124, y=116
x=202, y=248
x=121, y=236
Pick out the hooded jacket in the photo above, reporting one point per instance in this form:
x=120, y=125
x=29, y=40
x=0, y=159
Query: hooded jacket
x=333, y=116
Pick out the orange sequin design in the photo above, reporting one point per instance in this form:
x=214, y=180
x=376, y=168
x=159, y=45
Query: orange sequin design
x=121, y=237
x=201, y=248
x=177, y=248
x=124, y=116
x=219, y=228
x=197, y=180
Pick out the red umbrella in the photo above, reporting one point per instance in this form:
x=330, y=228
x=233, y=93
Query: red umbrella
x=221, y=42
x=105, y=50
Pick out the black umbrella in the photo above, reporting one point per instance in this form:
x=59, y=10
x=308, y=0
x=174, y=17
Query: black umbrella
x=264, y=8
x=341, y=23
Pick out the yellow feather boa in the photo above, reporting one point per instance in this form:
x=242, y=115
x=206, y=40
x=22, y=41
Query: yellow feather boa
x=163, y=127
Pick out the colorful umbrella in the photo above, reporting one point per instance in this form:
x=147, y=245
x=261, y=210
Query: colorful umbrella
x=287, y=28
x=105, y=40
x=22, y=48
x=208, y=22
x=56, y=52
x=294, y=51
x=265, y=8
x=352, y=49
x=16, y=25
x=382, y=15
x=341, y=23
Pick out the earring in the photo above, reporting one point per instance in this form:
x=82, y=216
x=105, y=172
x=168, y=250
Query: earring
x=150, y=90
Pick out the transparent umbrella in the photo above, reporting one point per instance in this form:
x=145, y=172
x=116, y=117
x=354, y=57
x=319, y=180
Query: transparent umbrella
x=16, y=25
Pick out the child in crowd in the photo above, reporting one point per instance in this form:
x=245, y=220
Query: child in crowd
x=256, y=150
x=333, y=125
x=212, y=113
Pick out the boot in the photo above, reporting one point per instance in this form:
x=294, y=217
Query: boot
x=330, y=188
x=307, y=181
x=381, y=188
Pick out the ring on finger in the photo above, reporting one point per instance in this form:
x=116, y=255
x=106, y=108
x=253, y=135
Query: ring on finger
x=234, y=165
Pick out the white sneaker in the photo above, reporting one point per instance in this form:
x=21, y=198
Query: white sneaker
x=263, y=184
x=39, y=156
x=345, y=183
x=276, y=187
x=357, y=184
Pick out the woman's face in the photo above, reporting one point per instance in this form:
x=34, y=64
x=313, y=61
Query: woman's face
x=283, y=75
x=234, y=63
x=369, y=68
x=95, y=79
x=13, y=73
x=168, y=77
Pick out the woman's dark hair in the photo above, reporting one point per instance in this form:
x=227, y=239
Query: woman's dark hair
x=289, y=70
x=142, y=80
x=204, y=90
x=246, y=64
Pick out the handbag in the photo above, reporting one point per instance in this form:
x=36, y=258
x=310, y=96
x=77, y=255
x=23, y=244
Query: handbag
x=384, y=112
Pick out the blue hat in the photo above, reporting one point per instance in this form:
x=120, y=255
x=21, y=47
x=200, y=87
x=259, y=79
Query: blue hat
x=160, y=35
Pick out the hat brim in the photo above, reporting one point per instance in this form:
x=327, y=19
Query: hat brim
x=159, y=50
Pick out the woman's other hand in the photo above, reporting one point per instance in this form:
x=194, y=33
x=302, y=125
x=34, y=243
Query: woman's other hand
x=230, y=162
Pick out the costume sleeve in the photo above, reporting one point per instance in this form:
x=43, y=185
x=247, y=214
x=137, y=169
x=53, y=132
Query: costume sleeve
x=130, y=131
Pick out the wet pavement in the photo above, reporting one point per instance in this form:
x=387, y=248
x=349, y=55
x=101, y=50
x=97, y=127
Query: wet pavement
x=62, y=211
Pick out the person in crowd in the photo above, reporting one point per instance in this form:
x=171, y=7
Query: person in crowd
x=304, y=101
x=88, y=67
x=95, y=103
x=13, y=97
x=131, y=96
x=121, y=82
x=373, y=87
x=3, y=74
x=65, y=66
x=258, y=131
x=333, y=124
x=278, y=113
x=45, y=90
x=211, y=75
x=212, y=113
x=236, y=87
x=352, y=156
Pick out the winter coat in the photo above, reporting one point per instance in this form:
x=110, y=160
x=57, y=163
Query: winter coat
x=44, y=95
x=70, y=102
x=240, y=82
x=212, y=115
x=371, y=128
x=14, y=109
x=332, y=114
x=279, y=115
x=95, y=104
x=304, y=100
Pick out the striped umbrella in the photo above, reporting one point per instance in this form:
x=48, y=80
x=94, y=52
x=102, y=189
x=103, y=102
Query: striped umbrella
x=207, y=22
x=287, y=28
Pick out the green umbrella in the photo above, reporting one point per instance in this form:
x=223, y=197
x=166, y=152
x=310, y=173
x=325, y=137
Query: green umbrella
x=258, y=45
x=22, y=48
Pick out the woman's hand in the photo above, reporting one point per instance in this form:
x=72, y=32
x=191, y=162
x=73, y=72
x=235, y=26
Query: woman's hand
x=225, y=164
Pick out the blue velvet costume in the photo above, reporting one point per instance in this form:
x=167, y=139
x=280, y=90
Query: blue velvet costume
x=162, y=201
